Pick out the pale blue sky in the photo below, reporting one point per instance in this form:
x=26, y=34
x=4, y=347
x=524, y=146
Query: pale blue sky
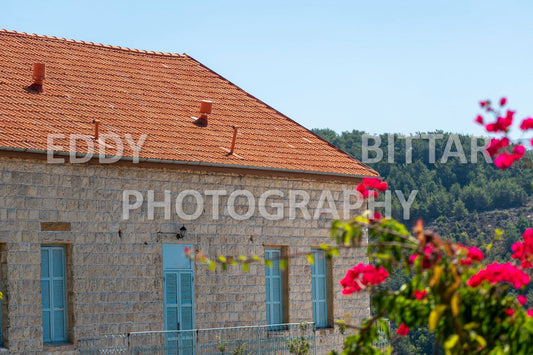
x=379, y=66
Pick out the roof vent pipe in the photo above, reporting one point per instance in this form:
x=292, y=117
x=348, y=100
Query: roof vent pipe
x=96, y=124
x=39, y=74
x=205, y=109
x=235, y=128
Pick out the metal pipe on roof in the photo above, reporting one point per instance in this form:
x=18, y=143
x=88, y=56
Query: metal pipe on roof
x=235, y=128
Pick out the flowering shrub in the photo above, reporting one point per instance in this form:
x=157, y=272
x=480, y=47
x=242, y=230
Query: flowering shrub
x=465, y=302
x=496, y=148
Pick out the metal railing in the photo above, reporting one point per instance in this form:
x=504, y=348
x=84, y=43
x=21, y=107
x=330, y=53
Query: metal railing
x=291, y=338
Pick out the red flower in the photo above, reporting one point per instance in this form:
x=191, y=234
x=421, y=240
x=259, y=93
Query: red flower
x=430, y=254
x=524, y=251
x=509, y=311
x=412, y=259
x=495, y=272
x=479, y=119
x=484, y=103
x=419, y=295
x=496, y=144
x=530, y=312
x=502, y=123
x=375, y=183
x=506, y=159
x=377, y=216
x=526, y=124
x=363, y=190
x=403, y=330
x=361, y=276
x=503, y=101
x=473, y=254
x=521, y=299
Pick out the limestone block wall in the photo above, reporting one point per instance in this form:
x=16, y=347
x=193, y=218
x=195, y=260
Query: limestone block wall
x=114, y=266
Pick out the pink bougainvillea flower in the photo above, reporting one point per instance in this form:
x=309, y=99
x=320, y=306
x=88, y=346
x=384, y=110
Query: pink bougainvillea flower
x=506, y=159
x=484, y=104
x=502, y=124
x=479, y=119
x=496, y=144
x=526, y=124
x=377, y=216
x=523, y=251
x=530, y=312
x=503, y=101
x=412, y=259
x=363, y=190
x=403, y=330
x=495, y=273
x=420, y=294
x=375, y=183
x=361, y=276
x=473, y=254
x=521, y=299
x=509, y=311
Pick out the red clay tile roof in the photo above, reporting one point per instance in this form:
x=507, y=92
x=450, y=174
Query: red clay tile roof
x=133, y=91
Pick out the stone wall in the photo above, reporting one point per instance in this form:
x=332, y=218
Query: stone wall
x=114, y=266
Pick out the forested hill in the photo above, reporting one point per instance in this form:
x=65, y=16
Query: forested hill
x=447, y=185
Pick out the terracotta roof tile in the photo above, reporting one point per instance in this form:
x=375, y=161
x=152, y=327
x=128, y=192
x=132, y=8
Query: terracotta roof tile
x=134, y=92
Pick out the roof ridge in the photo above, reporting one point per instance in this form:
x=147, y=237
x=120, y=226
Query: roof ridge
x=99, y=45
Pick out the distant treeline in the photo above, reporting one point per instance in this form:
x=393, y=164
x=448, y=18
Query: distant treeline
x=449, y=186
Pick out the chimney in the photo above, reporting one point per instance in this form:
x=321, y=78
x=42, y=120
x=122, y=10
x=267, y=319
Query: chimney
x=205, y=109
x=39, y=74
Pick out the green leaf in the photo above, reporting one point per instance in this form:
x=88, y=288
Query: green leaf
x=482, y=342
x=455, y=304
x=245, y=267
x=452, y=340
x=471, y=325
x=283, y=264
x=212, y=265
x=434, y=316
x=310, y=258
x=222, y=258
x=268, y=263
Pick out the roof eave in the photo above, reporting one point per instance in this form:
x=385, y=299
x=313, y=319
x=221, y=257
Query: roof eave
x=195, y=163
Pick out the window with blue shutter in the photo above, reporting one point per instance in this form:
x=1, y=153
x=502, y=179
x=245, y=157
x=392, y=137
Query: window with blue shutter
x=320, y=289
x=53, y=293
x=178, y=297
x=274, y=287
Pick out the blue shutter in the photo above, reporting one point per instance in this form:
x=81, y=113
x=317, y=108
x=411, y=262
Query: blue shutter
x=53, y=294
x=320, y=289
x=171, y=300
x=186, y=300
x=274, y=288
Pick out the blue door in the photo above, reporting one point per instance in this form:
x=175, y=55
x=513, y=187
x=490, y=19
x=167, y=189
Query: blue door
x=178, y=278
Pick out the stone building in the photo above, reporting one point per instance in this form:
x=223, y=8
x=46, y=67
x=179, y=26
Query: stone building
x=114, y=160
